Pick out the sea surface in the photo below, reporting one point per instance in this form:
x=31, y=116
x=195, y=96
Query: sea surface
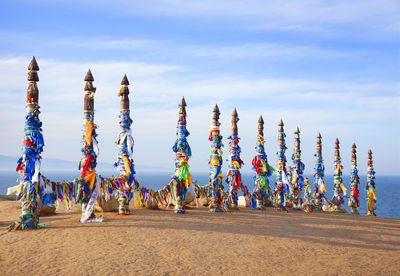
x=387, y=187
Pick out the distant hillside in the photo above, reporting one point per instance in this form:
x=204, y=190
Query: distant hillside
x=9, y=163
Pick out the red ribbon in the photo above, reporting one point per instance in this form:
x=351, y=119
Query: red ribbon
x=85, y=166
x=29, y=143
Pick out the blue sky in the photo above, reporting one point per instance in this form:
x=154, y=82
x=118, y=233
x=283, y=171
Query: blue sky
x=325, y=66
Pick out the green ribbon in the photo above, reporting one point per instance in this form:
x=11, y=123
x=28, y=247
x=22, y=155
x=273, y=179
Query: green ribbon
x=184, y=174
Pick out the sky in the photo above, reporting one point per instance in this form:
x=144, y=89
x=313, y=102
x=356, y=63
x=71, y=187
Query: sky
x=325, y=66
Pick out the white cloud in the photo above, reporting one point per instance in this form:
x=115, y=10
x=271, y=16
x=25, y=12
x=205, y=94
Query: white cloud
x=353, y=111
x=266, y=50
x=373, y=16
x=378, y=17
x=108, y=44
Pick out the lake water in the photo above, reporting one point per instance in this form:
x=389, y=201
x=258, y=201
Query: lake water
x=387, y=187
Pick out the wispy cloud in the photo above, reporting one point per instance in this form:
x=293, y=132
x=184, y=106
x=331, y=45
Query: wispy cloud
x=315, y=15
x=346, y=109
x=267, y=50
x=108, y=44
x=379, y=17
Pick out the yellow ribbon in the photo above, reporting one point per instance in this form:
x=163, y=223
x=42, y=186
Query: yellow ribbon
x=215, y=162
x=88, y=134
x=127, y=165
x=371, y=197
x=343, y=188
x=338, y=168
x=90, y=178
x=294, y=179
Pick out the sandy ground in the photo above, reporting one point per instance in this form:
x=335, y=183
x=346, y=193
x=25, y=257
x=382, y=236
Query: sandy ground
x=244, y=242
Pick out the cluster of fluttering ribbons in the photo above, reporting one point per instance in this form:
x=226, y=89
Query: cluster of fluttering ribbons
x=354, y=202
x=319, y=191
x=282, y=182
x=338, y=188
x=370, y=187
x=125, y=164
x=233, y=176
x=297, y=180
x=262, y=192
x=308, y=205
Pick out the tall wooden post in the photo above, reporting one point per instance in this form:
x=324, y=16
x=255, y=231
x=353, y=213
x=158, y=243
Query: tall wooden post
x=86, y=189
x=125, y=164
x=262, y=171
x=182, y=178
x=338, y=188
x=215, y=163
x=319, y=192
x=297, y=175
x=234, y=178
x=371, y=197
x=29, y=164
x=354, y=202
x=282, y=182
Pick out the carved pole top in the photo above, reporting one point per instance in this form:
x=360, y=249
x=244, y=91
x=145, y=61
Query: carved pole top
x=125, y=80
x=280, y=126
x=319, y=143
x=89, y=79
x=89, y=76
x=354, y=153
x=216, y=113
x=261, y=126
x=124, y=93
x=182, y=102
x=32, y=96
x=234, y=128
x=337, y=147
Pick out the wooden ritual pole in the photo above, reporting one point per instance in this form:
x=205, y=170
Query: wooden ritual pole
x=371, y=197
x=319, y=192
x=338, y=188
x=29, y=164
x=182, y=178
x=215, y=163
x=125, y=164
x=234, y=178
x=87, y=188
x=354, y=202
x=262, y=171
x=297, y=175
x=282, y=182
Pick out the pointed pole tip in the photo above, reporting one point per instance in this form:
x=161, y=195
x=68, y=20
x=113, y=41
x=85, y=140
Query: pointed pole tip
x=89, y=76
x=183, y=102
x=125, y=80
x=33, y=65
x=234, y=113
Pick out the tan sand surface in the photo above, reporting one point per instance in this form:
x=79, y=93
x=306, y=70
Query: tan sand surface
x=245, y=242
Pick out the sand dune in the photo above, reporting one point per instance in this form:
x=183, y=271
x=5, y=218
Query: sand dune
x=245, y=242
